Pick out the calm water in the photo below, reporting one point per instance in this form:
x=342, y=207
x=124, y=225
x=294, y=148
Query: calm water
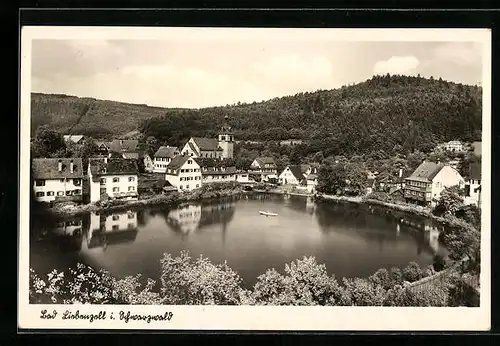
x=351, y=240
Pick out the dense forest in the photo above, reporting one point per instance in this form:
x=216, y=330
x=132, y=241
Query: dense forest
x=383, y=117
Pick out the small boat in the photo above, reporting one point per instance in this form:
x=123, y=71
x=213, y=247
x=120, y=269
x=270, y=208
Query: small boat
x=267, y=213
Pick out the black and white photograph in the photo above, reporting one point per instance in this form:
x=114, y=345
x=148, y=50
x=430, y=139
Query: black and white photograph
x=255, y=178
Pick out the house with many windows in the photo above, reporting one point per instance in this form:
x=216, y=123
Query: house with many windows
x=425, y=184
x=473, y=185
x=265, y=167
x=184, y=173
x=218, y=174
x=115, y=178
x=162, y=158
x=57, y=179
x=291, y=175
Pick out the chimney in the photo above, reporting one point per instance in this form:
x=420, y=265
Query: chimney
x=59, y=165
x=71, y=166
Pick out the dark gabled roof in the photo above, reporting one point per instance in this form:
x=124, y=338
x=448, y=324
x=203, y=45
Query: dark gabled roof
x=218, y=171
x=207, y=144
x=296, y=171
x=177, y=162
x=48, y=168
x=265, y=160
x=426, y=171
x=475, y=171
x=166, y=151
x=115, y=166
x=120, y=145
x=193, y=148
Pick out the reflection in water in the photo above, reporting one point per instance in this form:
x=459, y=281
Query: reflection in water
x=350, y=239
x=117, y=228
x=191, y=218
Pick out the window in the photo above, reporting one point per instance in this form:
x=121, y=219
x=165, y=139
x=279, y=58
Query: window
x=50, y=193
x=130, y=216
x=60, y=193
x=62, y=180
x=40, y=194
x=103, y=190
x=116, y=180
x=131, y=225
x=103, y=181
x=115, y=228
x=181, y=187
x=187, y=187
x=76, y=192
x=131, y=188
x=39, y=182
x=130, y=179
x=182, y=170
x=68, y=193
x=190, y=161
x=77, y=182
x=197, y=185
x=116, y=189
x=116, y=217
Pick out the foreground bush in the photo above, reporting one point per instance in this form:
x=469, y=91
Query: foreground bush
x=185, y=281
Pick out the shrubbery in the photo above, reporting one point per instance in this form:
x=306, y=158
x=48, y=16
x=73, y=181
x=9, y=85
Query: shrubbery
x=185, y=281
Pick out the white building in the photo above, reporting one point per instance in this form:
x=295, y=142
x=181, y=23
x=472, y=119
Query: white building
x=454, y=146
x=265, y=167
x=220, y=148
x=57, y=179
x=425, y=184
x=202, y=147
x=184, y=173
x=163, y=156
x=112, y=176
x=243, y=177
x=473, y=185
x=149, y=165
x=292, y=175
x=218, y=174
x=311, y=182
x=76, y=139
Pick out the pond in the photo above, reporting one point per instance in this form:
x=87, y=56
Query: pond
x=350, y=239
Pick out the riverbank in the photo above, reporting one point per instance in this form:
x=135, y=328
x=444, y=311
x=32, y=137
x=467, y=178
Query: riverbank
x=206, y=193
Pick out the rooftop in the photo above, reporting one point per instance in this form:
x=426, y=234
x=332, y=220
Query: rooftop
x=167, y=151
x=426, y=171
x=207, y=144
x=475, y=171
x=73, y=138
x=120, y=145
x=48, y=168
x=108, y=166
x=178, y=161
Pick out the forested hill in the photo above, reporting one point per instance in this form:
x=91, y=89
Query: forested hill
x=79, y=115
x=383, y=112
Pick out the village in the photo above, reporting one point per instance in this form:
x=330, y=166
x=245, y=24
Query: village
x=114, y=173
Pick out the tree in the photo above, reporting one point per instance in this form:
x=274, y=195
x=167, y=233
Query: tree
x=47, y=143
x=332, y=178
x=450, y=201
x=152, y=145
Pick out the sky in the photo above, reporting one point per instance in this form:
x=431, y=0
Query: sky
x=194, y=71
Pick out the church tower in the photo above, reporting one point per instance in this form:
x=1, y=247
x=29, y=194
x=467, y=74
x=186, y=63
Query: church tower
x=226, y=140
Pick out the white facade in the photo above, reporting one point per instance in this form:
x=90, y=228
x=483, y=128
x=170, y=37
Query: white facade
x=46, y=190
x=218, y=177
x=454, y=146
x=149, y=165
x=69, y=227
x=474, y=196
x=311, y=184
x=227, y=145
x=243, y=177
x=447, y=177
x=122, y=186
x=188, y=150
x=288, y=178
x=160, y=164
x=185, y=178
